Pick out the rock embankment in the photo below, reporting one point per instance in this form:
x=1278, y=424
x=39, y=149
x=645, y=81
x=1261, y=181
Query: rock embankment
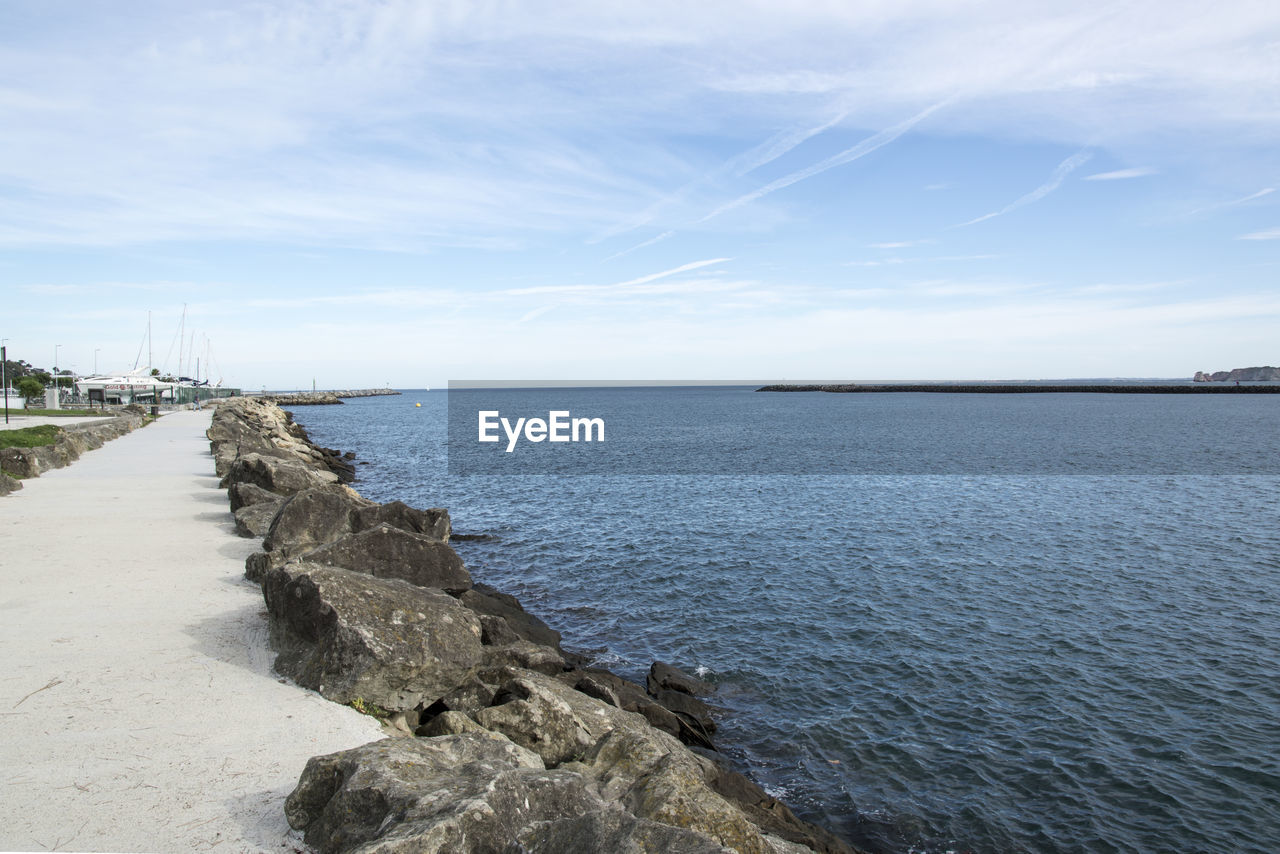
x=73, y=440
x=505, y=741
x=1028, y=388
x=323, y=398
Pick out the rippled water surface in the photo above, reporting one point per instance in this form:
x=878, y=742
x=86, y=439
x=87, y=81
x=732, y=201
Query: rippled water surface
x=927, y=663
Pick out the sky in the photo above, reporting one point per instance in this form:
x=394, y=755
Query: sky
x=359, y=194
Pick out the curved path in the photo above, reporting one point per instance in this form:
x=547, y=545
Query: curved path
x=138, y=709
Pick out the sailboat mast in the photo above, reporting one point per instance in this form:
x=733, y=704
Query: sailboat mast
x=182, y=336
x=150, y=359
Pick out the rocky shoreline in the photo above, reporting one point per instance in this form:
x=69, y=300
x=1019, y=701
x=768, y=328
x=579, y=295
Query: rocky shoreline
x=500, y=739
x=323, y=398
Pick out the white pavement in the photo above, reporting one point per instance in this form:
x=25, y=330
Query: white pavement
x=16, y=421
x=138, y=709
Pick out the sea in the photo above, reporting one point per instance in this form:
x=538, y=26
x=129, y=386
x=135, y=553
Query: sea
x=1070, y=643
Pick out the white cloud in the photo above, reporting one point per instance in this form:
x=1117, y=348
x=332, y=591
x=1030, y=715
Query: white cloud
x=410, y=126
x=1121, y=174
x=1268, y=234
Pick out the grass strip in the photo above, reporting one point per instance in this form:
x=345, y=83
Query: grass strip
x=30, y=437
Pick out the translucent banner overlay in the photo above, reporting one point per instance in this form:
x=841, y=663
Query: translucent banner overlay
x=530, y=428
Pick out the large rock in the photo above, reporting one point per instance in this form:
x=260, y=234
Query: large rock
x=312, y=518
x=20, y=462
x=613, y=829
x=473, y=792
x=483, y=599
x=348, y=635
x=433, y=522
x=690, y=709
x=674, y=791
x=648, y=771
x=534, y=714
x=387, y=552
x=629, y=696
x=248, y=494
x=277, y=474
x=665, y=677
x=8, y=484
x=771, y=815
x=258, y=564
x=254, y=520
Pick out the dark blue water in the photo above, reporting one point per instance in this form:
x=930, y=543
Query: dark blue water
x=1013, y=662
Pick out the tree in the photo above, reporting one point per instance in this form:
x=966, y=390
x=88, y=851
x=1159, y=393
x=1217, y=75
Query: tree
x=43, y=377
x=155, y=372
x=30, y=387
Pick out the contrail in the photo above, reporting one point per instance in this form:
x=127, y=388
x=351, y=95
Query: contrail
x=849, y=155
x=1059, y=175
x=649, y=242
x=748, y=161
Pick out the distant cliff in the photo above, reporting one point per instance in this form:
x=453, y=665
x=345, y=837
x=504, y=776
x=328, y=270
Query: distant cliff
x=1240, y=375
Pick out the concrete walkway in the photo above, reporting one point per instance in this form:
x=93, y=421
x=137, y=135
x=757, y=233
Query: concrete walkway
x=18, y=421
x=138, y=710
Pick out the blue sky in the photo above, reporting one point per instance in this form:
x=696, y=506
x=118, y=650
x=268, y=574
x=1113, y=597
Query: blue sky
x=364, y=193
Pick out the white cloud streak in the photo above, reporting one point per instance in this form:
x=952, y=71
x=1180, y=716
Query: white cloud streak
x=849, y=155
x=1059, y=175
x=620, y=286
x=1268, y=234
x=1265, y=191
x=1122, y=174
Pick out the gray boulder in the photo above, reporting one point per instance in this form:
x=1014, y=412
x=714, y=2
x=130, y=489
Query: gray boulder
x=387, y=552
x=533, y=716
x=647, y=771
x=312, y=518
x=664, y=677
x=615, y=830
x=254, y=520
x=26, y=462
x=258, y=564
x=629, y=696
x=484, y=599
x=276, y=474
x=692, y=710
x=8, y=484
x=348, y=635
x=472, y=792
x=771, y=815
x=433, y=522
x=248, y=494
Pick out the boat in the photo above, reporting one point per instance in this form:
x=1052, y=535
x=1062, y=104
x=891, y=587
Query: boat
x=137, y=386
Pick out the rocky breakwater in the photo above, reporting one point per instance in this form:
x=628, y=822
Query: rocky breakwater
x=323, y=398
x=72, y=441
x=502, y=740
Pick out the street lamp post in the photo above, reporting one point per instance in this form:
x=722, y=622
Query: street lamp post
x=55, y=374
x=4, y=377
x=95, y=361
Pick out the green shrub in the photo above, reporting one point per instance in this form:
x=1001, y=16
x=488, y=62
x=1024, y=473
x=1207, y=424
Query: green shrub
x=29, y=437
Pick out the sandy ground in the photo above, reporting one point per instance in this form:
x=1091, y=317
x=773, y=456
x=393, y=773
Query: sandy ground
x=138, y=710
x=16, y=421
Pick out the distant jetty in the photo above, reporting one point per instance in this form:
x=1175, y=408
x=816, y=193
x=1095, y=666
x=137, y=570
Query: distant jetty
x=323, y=398
x=1029, y=388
